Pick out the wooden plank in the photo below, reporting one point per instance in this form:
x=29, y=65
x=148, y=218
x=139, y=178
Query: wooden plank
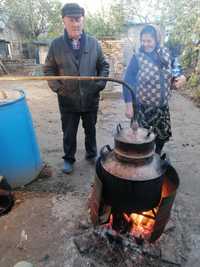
x=3, y=67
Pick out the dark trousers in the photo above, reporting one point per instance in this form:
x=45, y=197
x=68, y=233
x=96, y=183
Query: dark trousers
x=159, y=145
x=70, y=122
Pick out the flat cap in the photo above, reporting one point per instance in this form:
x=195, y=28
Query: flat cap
x=72, y=10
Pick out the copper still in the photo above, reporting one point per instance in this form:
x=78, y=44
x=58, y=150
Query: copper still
x=131, y=173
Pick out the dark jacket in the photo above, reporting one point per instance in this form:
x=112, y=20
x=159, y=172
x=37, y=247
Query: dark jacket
x=79, y=96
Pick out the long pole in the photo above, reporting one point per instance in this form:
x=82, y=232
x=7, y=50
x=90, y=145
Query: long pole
x=77, y=78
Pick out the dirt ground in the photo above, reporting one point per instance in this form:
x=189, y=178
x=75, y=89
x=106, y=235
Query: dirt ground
x=50, y=211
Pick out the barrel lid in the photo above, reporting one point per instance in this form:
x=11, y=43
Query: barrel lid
x=9, y=95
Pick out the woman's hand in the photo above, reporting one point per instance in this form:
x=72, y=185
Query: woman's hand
x=129, y=110
x=179, y=82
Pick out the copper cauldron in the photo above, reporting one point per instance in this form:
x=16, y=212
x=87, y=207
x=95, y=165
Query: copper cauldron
x=131, y=173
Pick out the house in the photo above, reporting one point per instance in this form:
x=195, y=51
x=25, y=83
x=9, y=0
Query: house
x=10, y=40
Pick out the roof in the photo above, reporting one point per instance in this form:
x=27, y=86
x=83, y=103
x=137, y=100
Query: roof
x=42, y=42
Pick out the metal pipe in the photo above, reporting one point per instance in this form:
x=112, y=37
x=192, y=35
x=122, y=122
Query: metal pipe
x=79, y=78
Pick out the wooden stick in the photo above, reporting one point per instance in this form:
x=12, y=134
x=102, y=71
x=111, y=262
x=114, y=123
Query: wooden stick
x=50, y=78
x=77, y=78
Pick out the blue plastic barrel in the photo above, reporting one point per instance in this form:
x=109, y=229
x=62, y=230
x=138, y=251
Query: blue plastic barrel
x=20, y=160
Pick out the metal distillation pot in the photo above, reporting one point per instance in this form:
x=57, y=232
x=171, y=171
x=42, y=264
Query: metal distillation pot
x=131, y=173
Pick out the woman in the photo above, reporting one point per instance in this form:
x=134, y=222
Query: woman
x=150, y=73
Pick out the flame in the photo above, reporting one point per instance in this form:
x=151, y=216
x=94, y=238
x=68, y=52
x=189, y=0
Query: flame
x=167, y=188
x=141, y=225
x=110, y=221
x=109, y=224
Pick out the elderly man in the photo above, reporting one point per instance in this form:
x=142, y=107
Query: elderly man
x=76, y=54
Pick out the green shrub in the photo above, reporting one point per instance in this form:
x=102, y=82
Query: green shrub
x=193, y=80
x=197, y=95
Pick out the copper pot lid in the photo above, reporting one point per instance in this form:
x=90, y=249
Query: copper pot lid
x=148, y=170
x=134, y=136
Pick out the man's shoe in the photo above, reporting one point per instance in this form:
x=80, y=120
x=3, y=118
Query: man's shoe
x=68, y=167
x=91, y=159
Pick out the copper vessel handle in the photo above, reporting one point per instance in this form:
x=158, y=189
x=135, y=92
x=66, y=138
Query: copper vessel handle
x=105, y=150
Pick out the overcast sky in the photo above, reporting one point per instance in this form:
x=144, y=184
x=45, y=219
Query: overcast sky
x=89, y=5
x=145, y=7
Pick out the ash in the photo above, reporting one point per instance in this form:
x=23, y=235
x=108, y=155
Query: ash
x=100, y=246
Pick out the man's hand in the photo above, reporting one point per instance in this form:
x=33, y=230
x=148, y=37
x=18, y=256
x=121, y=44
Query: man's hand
x=61, y=91
x=179, y=82
x=129, y=110
x=101, y=84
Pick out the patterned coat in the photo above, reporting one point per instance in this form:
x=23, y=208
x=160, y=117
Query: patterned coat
x=154, y=81
x=151, y=80
x=150, y=74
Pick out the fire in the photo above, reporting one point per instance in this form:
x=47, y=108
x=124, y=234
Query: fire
x=110, y=223
x=141, y=225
